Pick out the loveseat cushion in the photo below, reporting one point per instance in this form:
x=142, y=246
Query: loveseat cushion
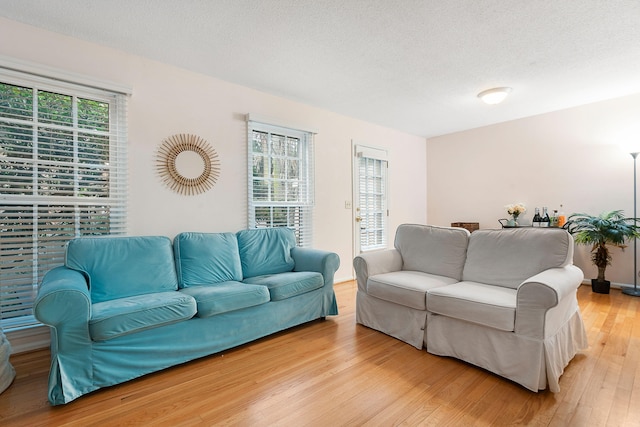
x=492, y=306
x=223, y=297
x=408, y=288
x=286, y=285
x=435, y=250
x=123, y=316
x=266, y=251
x=206, y=258
x=120, y=267
x=508, y=257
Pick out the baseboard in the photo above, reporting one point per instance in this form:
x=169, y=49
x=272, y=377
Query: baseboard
x=614, y=285
x=343, y=280
x=30, y=339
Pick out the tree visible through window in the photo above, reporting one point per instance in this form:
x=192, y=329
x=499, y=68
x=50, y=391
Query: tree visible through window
x=62, y=169
x=280, y=181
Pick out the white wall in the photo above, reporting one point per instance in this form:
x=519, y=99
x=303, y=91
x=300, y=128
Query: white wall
x=167, y=100
x=568, y=157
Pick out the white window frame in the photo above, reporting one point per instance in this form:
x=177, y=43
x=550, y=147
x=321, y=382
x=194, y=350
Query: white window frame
x=293, y=209
x=44, y=249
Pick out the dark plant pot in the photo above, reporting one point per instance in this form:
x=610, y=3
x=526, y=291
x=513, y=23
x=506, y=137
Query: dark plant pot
x=600, y=287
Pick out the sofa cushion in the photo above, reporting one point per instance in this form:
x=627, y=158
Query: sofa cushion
x=123, y=316
x=508, y=257
x=408, y=288
x=266, y=251
x=120, y=267
x=435, y=250
x=492, y=306
x=223, y=297
x=286, y=285
x=205, y=258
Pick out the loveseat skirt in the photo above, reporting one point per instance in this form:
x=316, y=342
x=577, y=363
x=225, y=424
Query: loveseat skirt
x=404, y=323
x=536, y=364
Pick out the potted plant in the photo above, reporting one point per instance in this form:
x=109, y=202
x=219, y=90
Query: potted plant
x=607, y=229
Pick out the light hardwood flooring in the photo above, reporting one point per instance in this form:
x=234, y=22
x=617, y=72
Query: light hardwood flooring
x=335, y=373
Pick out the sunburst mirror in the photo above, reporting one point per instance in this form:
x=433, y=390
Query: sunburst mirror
x=187, y=164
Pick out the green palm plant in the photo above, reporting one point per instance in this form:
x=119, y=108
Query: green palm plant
x=607, y=229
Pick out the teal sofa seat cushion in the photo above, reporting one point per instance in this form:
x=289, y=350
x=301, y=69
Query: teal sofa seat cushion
x=123, y=316
x=227, y=296
x=266, y=251
x=205, y=258
x=286, y=285
x=120, y=267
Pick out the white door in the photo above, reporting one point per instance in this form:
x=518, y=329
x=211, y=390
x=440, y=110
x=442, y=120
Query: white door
x=371, y=213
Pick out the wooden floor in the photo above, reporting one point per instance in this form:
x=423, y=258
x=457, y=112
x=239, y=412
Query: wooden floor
x=335, y=373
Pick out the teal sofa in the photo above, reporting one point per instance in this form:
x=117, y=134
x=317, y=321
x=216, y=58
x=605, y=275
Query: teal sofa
x=123, y=307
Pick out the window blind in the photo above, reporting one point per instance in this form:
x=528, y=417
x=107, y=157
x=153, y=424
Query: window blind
x=280, y=192
x=62, y=175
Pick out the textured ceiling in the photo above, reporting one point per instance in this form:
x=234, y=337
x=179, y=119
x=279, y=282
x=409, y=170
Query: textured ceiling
x=412, y=65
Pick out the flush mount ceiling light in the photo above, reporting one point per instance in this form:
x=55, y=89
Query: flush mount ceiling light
x=495, y=95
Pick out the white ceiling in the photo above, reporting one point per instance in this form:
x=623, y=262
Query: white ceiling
x=412, y=65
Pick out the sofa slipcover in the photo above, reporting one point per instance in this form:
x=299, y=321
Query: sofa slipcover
x=123, y=307
x=289, y=284
x=121, y=316
x=220, y=250
x=504, y=300
x=121, y=267
x=221, y=297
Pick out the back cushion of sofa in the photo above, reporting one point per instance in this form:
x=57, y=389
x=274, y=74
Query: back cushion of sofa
x=206, y=258
x=508, y=257
x=434, y=250
x=119, y=267
x=266, y=251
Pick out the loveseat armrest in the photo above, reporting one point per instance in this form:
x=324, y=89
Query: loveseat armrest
x=551, y=290
x=323, y=262
x=63, y=298
x=378, y=262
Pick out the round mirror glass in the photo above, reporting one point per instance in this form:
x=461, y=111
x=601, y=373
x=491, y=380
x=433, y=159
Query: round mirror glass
x=189, y=164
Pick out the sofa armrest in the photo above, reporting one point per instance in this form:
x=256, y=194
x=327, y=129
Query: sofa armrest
x=551, y=290
x=378, y=262
x=64, y=304
x=323, y=262
x=63, y=297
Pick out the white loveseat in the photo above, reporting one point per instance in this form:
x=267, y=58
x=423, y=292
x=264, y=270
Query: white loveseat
x=504, y=300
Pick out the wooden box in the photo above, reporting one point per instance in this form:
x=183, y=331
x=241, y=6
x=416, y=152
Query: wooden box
x=471, y=226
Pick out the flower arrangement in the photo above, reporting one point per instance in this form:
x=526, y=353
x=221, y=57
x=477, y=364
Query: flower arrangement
x=516, y=210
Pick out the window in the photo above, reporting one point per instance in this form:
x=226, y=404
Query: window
x=281, y=179
x=62, y=175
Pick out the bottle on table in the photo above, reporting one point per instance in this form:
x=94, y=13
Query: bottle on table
x=536, y=218
x=545, y=221
x=562, y=219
